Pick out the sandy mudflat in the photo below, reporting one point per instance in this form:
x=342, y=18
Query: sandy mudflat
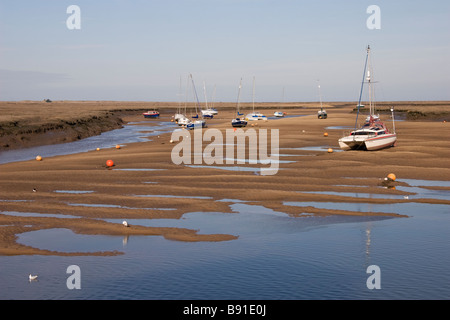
x=422, y=152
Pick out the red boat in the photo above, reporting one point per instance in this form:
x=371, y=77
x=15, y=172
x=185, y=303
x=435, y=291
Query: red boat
x=151, y=114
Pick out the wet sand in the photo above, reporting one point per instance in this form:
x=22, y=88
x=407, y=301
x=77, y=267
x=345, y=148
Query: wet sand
x=422, y=152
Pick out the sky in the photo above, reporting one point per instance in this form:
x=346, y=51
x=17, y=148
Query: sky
x=144, y=50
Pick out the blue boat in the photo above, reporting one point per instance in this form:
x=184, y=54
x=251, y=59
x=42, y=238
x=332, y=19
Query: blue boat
x=238, y=123
x=151, y=114
x=196, y=124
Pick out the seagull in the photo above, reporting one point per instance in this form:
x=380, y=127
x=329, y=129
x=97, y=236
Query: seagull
x=405, y=197
x=125, y=224
x=30, y=277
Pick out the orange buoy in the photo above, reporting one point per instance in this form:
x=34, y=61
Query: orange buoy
x=325, y=134
x=391, y=176
x=38, y=158
x=118, y=146
x=330, y=150
x=109, y=163
x=98, y=149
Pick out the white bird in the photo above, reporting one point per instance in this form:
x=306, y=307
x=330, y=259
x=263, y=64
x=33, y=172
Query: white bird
x=30, y=277
x=125, y=224
x=405, y=197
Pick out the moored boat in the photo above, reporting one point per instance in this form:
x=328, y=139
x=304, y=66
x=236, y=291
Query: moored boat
x=255, y=115
x=278, y=114
x=374, y=134
x=196, y=124
x=238, y=122
x=151, y=114
x=321, y=114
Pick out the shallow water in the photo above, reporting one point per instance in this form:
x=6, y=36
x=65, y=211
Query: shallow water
x=314, y=148
x=275, y=257
x=74, y=191
x=128, y=134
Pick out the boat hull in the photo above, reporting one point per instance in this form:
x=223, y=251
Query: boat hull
x=151, y=114
x=367, y=143
x=210, y=112
x=238, y=123
x=322, y=115
x=196, y=124
x=255, y=117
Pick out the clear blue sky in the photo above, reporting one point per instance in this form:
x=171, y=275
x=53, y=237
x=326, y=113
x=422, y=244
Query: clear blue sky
x=139, y=49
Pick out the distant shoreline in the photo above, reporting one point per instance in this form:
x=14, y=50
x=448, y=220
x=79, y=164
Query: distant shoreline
x=33, y=123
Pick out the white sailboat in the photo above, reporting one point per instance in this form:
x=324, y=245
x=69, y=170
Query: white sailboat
x=180, y=118
x=178, y=115
x=199, y=123
x=207, y=112
x=210, y=111
x=321, y=114
x=374, y=134
x=255, y=115
x=280, y=114
x=238, y=122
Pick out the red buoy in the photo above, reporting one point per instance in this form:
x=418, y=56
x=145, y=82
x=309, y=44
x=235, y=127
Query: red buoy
x=109, y=163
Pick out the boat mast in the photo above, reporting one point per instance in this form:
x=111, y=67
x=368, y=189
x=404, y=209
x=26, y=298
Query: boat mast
x=253, y=99
x=320, y=96
x=196, y=96
x=213, y=97
x=239, y=95
x=179, y=98
x=362, y=85
x=369, y=81
x=204, y=90
x=186, y=96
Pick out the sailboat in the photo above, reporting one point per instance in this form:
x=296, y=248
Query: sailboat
x=200, y=123
x=373, y=135
x=280, y=114
x=255, y=115
x=180, y=118
x=321, y=114
x=238, y=122
x=207, y=113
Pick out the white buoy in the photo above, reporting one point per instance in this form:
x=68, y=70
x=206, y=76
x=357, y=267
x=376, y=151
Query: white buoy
x=125, y=224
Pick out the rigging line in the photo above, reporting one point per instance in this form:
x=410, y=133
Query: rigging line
x=362, y=84
x=195, y=91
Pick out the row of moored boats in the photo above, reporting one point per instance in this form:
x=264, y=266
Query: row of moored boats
x=372, y=135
